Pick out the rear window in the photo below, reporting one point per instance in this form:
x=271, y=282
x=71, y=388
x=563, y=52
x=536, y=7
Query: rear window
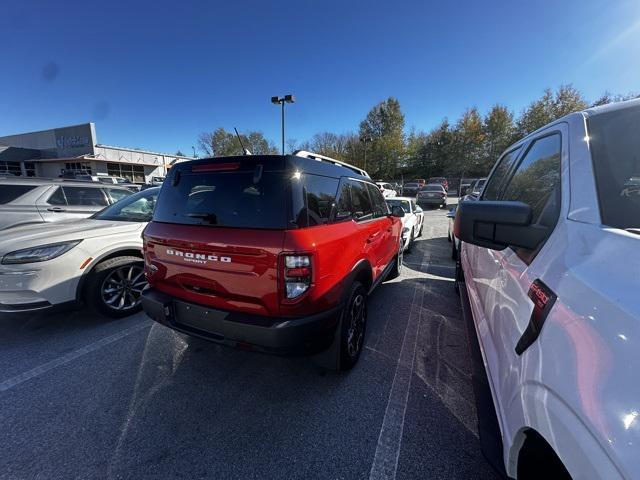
x=432, y=188
x=242, y=199
x=410, y=185
x=615, y=148
x=9, y=193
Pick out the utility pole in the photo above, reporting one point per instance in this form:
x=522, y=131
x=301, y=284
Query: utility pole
x=364, y=141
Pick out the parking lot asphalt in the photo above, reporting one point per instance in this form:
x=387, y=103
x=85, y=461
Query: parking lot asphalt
x=85, y=397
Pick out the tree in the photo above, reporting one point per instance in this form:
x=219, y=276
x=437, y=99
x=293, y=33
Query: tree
x=221, y=143
x=550, y=107
x=384, y=126
x=179, y=153
x=468, y=143
x=499, y=132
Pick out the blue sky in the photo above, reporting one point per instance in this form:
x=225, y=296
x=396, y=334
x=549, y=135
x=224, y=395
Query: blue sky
x=155, y=74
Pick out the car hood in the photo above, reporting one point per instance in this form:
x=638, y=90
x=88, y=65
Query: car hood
x=44, y=233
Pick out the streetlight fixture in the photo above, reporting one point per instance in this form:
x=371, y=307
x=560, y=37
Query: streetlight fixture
x=282, y=101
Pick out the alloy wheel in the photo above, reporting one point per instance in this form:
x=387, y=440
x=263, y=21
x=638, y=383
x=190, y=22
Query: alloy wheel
x=358, y=317
x=122, y=288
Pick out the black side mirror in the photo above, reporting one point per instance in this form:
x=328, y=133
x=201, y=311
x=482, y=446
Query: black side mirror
x=397, y=211
x=497, y=225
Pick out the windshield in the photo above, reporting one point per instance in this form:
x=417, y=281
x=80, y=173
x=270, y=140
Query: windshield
x=615, y=148
x=432, y=188
x=134, y=208
x=410, y=185
x=225, y=199
x=404, y=204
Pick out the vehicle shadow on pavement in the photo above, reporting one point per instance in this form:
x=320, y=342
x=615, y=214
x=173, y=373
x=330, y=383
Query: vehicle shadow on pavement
x=236, y=414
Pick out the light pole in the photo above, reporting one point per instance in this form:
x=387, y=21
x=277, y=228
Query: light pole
x=282, y=101
x=364, y=140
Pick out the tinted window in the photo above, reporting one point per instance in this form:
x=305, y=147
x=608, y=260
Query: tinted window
x=432, y=188
x=226, y=199
x=136, y=208
x=492, y=191
x=377, y=200
x=615, y=149
x=360, y=201
x=536, y=181
x=8, y=193
x=343, y=207
x=320, y=196
x=57, y=198
x=83, y=196
x=117, y=193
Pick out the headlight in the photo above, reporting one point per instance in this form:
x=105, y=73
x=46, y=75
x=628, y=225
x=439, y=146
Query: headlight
x=39, y=254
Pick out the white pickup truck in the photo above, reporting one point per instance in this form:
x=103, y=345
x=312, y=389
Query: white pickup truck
x=549, y=276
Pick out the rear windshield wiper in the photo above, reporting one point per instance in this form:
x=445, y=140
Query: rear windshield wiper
x=210, y=218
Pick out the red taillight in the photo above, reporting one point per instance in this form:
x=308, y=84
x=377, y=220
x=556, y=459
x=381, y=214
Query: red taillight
x=296, y=275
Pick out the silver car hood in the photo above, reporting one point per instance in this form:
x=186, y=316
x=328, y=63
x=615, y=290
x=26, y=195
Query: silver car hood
x=27, y=236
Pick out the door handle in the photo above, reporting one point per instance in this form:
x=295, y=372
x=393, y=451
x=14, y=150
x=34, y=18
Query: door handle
x=372, y=237
x=57, y=209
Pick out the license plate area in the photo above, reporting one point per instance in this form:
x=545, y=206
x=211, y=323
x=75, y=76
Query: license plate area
x=200, y=318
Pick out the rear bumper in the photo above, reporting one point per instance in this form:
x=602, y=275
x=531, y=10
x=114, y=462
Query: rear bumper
x=283, y=336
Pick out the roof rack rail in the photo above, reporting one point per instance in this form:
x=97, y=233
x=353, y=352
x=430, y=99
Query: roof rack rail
x=322, y=158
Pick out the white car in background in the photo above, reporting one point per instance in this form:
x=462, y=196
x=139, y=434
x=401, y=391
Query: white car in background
x=549, y=274
x=413, y=220
x=97, y=261
x=387, y=189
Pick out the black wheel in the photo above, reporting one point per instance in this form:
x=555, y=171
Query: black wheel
x=396, y=270
x=410, y=243
x=114, y=286
x=454, y=250
x=420, y=231
x=354, y=323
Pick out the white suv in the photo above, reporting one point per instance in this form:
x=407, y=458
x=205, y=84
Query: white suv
x=549, y=274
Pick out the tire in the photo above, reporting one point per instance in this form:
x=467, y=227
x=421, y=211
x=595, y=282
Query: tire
x=396, y=270
x=410, y=244
x=114, y=286
x=420, y=231
x=459, y=275
x=454, y=250
x=354, y=325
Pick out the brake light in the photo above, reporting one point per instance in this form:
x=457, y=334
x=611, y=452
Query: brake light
x=215, y=167
x=296, y=275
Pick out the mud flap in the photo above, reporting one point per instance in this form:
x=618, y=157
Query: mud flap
x=330, y=358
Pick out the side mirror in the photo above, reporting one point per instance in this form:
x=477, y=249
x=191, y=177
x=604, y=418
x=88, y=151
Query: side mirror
x=397, y=212
x=497, y=225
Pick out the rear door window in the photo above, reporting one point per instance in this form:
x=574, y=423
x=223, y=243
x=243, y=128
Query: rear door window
x=320, y=199
x=244, y=199
x=85, y=196
x=9, y=193
x=500, y=173
x=360, y=201
x=615, y=149
x=343, y=203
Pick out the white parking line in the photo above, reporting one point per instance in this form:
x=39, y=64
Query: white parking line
x=64, y=359
x=385, y=460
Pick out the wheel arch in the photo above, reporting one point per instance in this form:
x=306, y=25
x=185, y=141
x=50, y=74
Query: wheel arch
x=563, y=432
x=361, y=272
x=122, y=251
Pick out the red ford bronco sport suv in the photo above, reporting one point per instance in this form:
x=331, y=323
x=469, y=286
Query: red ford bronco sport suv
x=270, y=253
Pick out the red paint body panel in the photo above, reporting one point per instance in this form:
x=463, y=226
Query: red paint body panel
x=251, y=282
